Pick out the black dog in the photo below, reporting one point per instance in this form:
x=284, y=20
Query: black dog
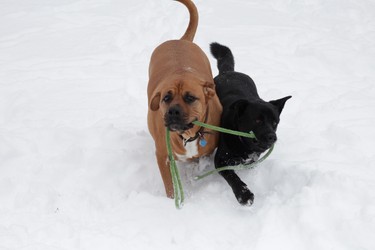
x=245, y=111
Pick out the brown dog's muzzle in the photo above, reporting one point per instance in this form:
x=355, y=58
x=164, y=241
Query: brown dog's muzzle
x=176, y=119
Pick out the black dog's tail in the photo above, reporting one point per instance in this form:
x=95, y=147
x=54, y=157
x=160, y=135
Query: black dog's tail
x=224, y=57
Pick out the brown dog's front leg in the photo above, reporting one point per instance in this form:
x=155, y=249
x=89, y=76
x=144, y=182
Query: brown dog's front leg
x=165, y=172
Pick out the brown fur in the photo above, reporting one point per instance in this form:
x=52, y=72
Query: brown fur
x=180, y=66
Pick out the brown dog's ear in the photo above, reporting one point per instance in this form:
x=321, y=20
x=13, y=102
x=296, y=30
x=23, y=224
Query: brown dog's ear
x=154, y=104
x=209, y=89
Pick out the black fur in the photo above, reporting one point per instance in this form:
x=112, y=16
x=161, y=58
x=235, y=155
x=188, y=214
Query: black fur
x=245, y=111
x=224, y=57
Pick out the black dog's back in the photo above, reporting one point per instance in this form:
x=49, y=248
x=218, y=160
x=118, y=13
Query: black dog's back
x=242, y=86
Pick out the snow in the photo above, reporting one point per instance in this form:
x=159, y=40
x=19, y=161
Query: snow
x=77, y=164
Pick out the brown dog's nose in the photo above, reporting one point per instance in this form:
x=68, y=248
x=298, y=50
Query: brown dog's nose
x=174, y=111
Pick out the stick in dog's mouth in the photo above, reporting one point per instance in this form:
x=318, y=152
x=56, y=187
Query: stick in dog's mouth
x=179, y=127
x=191, y=124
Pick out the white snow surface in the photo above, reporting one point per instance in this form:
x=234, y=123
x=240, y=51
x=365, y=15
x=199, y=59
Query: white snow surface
x=77, y=164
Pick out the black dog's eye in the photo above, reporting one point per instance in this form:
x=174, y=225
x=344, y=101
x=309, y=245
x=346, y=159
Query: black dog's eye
x=259, y=120
x=189, y=98
x=274, y=124
x=167, y=97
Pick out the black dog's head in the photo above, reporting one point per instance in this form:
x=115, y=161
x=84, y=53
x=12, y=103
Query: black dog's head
x=260, y=117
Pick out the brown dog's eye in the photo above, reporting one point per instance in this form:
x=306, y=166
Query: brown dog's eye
x=189, y=98
x=167, y=97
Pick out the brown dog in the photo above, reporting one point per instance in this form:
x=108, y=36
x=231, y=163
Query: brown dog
x=181, y=90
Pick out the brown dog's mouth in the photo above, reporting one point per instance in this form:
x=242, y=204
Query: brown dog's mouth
x=179, y=126
x=191, y=124
x=176, y=127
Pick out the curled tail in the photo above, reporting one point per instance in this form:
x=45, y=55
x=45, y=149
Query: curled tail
x=224, y=57
x=193, y=23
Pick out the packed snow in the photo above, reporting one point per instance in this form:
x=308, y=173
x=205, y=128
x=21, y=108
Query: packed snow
x=77, y=164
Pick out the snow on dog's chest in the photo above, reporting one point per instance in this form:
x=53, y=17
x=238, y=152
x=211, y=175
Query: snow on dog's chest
x=191, y=151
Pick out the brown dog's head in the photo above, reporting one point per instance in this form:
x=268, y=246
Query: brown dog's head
x=182, y=101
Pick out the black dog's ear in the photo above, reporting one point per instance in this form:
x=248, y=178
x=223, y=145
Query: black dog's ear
x=239, y=106
x=280, y=103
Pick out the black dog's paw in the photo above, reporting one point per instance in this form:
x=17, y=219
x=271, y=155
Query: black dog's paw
x=244, y=196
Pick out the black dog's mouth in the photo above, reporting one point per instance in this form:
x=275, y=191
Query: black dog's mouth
x=263, y=147
x=256, y=145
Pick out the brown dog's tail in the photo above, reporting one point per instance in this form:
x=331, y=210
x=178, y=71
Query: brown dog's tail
x=193, y=23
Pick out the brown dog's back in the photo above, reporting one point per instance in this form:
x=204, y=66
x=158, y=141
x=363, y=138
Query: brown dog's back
x=175, y=57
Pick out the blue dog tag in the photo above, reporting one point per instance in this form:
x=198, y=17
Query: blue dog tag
x=202, y=142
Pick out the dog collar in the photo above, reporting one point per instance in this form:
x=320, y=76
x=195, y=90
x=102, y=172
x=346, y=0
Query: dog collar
x=199, y=134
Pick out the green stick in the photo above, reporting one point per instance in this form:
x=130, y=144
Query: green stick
x=225, y=130
x=177, y=186
x=232, y=132
x=237, y=167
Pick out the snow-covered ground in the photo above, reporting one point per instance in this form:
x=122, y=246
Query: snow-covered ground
x=77, y=164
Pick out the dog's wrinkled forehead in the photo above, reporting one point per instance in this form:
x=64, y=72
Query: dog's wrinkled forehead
x=183, y=89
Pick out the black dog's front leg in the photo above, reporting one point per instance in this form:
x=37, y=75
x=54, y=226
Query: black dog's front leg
x=241, y=191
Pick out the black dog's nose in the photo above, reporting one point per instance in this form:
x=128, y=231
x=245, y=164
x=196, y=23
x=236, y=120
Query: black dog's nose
x=271, y=138
x=174, y=111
